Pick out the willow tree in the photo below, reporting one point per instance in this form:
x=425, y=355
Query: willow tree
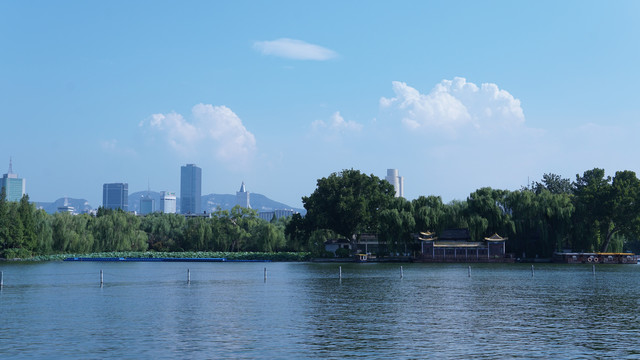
x=429, y=213
x=396, y=224
x=491, y=205
x=606, y=207
x=624, y=204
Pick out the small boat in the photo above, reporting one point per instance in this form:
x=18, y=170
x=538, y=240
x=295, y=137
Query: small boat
x=361, y=258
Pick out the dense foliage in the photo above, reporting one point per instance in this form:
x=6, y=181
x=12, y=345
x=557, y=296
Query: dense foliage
x=26, y=231
x=592, y=213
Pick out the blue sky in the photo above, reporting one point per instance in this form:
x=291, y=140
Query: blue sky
x=456, y=95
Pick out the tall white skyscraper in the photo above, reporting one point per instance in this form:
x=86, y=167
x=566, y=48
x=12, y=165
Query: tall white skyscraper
x=395, y=180
x=242, y=197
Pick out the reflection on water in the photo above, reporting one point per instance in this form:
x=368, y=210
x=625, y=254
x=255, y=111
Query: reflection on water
x=304, y=310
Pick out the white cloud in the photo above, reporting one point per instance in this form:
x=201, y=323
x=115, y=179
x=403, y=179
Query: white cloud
x=453, y=105
x=214, y=130
x=112, y=146
x=337, y=124
x=294, y=49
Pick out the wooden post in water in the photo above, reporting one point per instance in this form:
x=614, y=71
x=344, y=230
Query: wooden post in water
x=1, y=279
x=532, y=271
x=340, y=272
x=265, y=274
x=469, y=270
x=188, y=276
x=101, y=278
x=401, y=272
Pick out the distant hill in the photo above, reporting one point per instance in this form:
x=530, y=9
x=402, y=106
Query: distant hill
x=209, y=203
x=81, y=205
x=212, y=202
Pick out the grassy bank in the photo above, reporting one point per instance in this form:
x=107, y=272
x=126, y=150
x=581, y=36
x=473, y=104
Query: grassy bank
x=279, y=256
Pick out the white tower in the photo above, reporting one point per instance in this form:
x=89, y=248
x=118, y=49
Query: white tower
x=242, y=197
x=395, y=180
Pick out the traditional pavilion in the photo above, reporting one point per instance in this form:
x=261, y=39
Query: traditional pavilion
x=455, y=245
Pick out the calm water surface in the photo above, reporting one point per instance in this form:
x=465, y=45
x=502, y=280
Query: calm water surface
x=303, y=310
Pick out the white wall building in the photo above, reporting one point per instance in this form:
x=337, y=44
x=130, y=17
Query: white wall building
x=168, y=202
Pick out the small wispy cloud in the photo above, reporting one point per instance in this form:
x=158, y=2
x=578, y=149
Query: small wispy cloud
x=337, y=124
x=294, y=49
x=214, y=130
x=455, y=104
x=113, y=147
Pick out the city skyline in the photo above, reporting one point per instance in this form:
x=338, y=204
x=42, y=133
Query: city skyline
x=457, y=96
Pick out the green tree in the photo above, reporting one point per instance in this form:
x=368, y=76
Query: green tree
x=592, y=204
x=347, y=203
x=491, y=205
x=396, y=224
x=555, y=184
x=44, y=232
x=297, y=234
x=429, y=213
x=26, y=212
x=624, y=206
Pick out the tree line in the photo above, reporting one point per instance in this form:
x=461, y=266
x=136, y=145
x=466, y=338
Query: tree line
x=26, y=231
x=592, y=213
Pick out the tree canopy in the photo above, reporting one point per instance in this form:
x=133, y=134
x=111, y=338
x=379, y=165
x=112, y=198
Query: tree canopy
x=348, y=203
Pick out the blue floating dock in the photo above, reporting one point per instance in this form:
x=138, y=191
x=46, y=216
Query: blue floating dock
x=146, y=259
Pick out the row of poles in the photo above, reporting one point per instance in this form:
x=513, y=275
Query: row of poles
x=265, y=274
x=533, y=272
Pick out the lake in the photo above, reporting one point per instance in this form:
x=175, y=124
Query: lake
x=304, y=310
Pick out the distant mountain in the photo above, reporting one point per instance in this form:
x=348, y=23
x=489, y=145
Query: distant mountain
x=258, y=202
x=81, y=205
x=212, y=202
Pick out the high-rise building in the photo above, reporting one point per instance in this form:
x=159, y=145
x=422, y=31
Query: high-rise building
x=115, y=196
x=242, y=197
x=190, y=189
x=168, y=202
x=395, y=180
x=13, y=185
x=147, y=205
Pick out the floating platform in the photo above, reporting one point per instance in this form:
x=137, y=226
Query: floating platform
x=123, y=259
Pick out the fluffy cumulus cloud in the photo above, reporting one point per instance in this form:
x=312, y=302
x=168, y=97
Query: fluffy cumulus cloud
x=337, y=124
x=294, y=49
x=214, y=130
x=453, y=105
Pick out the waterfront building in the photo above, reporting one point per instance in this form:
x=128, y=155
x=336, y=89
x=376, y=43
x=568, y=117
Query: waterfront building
x=242, y=197
x=168, y=202
x=395, y=180
x=456, y=245
x=115, y=196
x=190, y=189
x=13, y=185
x=147, y=205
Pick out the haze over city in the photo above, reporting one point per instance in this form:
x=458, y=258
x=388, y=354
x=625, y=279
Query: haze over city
x=455, y=95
